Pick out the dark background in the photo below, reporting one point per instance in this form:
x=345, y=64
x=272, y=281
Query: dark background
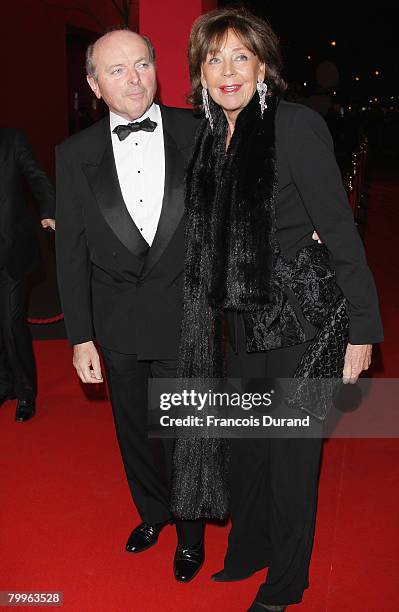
x=366, y=38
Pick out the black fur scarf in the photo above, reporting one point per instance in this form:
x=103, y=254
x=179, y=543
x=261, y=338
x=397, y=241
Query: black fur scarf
x=230, y=255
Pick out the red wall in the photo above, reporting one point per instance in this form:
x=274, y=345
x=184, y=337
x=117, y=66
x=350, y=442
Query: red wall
x=168, y=24
x=33, y=51
x=34, y=81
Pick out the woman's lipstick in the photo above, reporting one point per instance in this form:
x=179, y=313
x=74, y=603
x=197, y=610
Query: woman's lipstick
x=230, y=89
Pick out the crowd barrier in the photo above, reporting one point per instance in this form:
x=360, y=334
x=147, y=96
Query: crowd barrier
x=355, y=180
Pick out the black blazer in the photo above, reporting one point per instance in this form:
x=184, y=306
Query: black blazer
x=113, y=287
x=18, y=245
x=311, y=196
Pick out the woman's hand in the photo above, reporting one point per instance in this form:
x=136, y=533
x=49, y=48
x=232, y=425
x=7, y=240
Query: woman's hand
x=357, y=359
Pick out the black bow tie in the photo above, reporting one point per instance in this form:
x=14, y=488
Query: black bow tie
x=123, y=131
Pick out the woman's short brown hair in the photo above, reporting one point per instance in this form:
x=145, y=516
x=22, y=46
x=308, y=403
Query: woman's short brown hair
x=210, y=29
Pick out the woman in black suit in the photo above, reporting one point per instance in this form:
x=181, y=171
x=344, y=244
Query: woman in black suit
x=263, y=177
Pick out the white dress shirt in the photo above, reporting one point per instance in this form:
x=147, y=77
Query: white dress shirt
x=140, y=164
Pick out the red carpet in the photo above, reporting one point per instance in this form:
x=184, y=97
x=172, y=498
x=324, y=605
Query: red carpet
x=65, y=509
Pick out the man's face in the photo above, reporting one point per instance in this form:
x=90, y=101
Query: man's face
x=126, y=77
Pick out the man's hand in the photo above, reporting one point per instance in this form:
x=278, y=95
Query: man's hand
x=87, y=362
x=357, y=359
x=48, y=223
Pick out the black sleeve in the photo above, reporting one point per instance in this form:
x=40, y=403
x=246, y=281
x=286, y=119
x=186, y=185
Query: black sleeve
x=318, y=180
x=35, y=176
x=73, y=262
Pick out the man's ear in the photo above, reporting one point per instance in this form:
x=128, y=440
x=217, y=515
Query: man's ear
x=93, y=84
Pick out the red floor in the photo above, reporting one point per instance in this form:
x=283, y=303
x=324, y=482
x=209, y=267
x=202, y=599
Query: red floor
x=65, y=510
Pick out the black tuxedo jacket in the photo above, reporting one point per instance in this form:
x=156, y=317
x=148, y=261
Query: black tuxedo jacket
x=113, y=286
x=18, y=245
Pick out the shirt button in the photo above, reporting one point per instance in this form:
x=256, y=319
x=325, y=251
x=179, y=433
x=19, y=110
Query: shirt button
x=113, y=253
x=139, y=171
x=137, y=144
x=141, y=200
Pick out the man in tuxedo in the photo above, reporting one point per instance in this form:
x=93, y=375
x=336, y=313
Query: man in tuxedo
x=120, y=253
x=19, y=255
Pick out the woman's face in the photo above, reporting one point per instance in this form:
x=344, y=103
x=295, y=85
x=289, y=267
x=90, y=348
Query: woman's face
x=230, y=74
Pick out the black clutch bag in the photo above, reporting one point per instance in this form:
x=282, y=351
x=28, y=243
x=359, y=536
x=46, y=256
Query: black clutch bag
x=319, y=371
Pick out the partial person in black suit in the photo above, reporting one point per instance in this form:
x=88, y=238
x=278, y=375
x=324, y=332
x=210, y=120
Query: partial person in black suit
x=19, y=255
x=120, y=254
x=262, y=179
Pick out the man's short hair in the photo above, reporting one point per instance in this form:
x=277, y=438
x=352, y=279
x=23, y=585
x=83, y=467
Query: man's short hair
x=90, y=67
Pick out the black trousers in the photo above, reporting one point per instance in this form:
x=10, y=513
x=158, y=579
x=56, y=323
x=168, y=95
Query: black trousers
x=17, y=363
x=273, y=484
x=148, y=462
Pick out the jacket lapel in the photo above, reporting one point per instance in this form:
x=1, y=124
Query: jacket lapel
x=173, y=199
x=103, y=179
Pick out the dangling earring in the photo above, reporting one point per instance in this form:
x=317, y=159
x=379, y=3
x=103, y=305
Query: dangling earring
x=205, y=103
x=261, y=86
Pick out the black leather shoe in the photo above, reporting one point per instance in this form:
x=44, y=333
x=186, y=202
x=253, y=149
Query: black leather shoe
x=224, y=576
x=257, y=606
x=188, y=561
x=142, y=537
x=25, y=410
